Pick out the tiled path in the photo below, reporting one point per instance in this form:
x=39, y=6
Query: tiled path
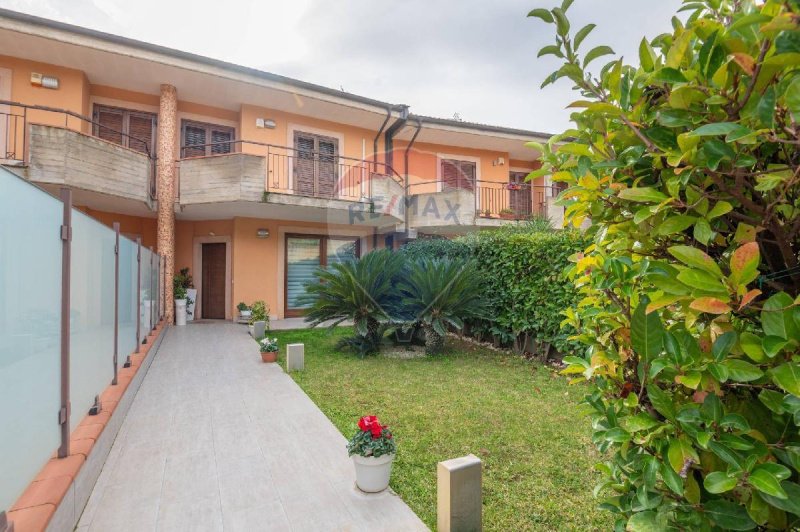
x=217, y=440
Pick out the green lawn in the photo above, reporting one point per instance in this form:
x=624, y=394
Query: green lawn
x=520, y=418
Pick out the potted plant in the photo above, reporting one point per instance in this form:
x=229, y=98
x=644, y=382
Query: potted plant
x=244, y=311
x=507, y=214
x=185, y=280
x=269, y=349
x=259, y=312
x=179, y=293
x=373, y=450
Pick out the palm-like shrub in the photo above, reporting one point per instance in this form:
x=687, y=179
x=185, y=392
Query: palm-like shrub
x=361, y=290
x=442, y=293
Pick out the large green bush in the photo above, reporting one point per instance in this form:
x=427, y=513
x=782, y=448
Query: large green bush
x=435, y=248
x=688, y=167
x=524, y=274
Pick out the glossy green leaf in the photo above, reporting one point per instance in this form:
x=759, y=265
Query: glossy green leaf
x=719, y=482
x=543, y=14
x=695, y=258
x=787, y=376
x=643, y=195
x=581, y=34
x=647, y=332
x=728, y=515
x=594, y=53
x=767, y=483
x=741, y=371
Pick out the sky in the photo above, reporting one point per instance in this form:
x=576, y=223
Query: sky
x=472, y=59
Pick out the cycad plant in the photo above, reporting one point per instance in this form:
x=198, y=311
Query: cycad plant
x=442, y=293
x=362, y=290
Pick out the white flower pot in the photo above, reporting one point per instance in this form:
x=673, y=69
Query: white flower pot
x=191, y=299
x=180, y=312
x=372, y=474
x=245, y=314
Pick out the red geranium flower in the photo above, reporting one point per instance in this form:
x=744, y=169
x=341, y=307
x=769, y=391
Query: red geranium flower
x=366, y=423
x=376, y=430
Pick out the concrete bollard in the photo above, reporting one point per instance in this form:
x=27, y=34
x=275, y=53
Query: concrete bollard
x=458, y=495
x=295, y=357
x=259, y=329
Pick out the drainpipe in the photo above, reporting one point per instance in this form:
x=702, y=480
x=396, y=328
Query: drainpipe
x=391, y=132
x=405, y=173
x=377, y=136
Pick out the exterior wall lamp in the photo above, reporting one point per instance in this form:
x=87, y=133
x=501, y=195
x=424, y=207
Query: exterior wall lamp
x=265, y=123
x=262, y=233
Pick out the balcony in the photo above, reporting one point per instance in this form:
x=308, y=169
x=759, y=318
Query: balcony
x=474, y=205
x=268, y=181
x=103, y=175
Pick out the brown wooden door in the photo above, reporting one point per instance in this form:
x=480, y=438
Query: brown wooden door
x=213, y=289
x=519, y=198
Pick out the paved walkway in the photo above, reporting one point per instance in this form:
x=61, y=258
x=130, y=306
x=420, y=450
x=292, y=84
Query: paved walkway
x=217, y=440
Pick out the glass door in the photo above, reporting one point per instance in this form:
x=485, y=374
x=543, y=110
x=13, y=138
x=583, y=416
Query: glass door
x=306, y=253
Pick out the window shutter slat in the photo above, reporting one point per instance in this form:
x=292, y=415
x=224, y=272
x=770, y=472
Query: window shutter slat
x=141, y=128
x=111, y=121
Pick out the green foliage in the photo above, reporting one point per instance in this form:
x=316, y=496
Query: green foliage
x=242, y=306
x=180, y=283
x=688, y=168
x=435, y=248
x=259, y=312
x=441, y=294
x=524, y=272
x=361, y=290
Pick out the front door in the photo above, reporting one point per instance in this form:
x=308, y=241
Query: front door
x=519, y=199
x=213, y=288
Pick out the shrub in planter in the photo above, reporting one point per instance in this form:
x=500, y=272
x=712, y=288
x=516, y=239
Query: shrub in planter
x=688, y=166
x=373, y=449
x=259, y=312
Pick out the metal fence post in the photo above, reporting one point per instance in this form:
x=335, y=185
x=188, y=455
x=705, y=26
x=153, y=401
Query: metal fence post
x=152, y=301
x=116, y=300
x=138, y=294
x=66, y=263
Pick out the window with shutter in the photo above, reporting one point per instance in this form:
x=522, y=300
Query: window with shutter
x=199, y=139
x=458, y=174
x=126, y=127
x=316, y=164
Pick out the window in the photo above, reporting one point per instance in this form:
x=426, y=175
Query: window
x=199, y=139
x=458, y=174
x=315, y=165
x=306, y=253
x=133, y=129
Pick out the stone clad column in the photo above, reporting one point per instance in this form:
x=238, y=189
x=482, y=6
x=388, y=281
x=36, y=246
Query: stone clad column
x=165, y=229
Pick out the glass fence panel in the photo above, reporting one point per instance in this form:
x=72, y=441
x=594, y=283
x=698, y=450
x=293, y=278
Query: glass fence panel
x=146, y=294
x=91, y=313
x=30, y=346
x=126, y=340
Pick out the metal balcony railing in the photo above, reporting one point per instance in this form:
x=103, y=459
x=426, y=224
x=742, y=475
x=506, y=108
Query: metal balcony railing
x=15, y=117
x=492, y=199
x=304, y=172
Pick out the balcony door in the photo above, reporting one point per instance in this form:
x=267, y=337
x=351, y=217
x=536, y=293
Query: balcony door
x=519, y=193
x=306, y=253
x=315, y=166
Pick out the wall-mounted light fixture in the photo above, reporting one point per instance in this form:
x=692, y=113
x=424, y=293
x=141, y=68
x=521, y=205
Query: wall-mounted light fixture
x=500, y=161
x=265, y=123
x=262, y=233
x=46, y=82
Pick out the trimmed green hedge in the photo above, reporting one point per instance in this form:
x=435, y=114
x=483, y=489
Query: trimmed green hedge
x=435, y=248
x=525, y=275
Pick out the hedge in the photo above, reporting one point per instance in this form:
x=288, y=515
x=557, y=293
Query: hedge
x=525, y=274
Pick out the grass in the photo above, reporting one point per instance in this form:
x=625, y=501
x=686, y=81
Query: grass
x=520, y=418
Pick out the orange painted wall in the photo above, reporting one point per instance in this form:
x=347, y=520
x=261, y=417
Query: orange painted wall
x=129, y=225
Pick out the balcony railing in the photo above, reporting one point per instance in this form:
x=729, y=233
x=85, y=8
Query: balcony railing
x=16, y=117
x=304, y=172
x=496, y=200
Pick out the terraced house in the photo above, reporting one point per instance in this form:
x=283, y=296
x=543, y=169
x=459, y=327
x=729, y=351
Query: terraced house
x=247, y=178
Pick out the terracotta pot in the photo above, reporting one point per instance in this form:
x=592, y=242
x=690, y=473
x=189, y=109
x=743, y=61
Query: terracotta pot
x=269, y=356
x=372, y=474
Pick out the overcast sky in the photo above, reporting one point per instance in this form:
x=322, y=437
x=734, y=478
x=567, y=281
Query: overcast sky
x=476, y=58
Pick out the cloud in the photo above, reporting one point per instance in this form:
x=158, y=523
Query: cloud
x=471, y=57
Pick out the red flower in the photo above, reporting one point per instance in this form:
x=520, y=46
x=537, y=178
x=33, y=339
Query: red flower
x=376, y=430
x=367, y=422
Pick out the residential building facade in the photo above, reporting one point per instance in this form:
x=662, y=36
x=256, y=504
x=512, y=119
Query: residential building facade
x=249, y=179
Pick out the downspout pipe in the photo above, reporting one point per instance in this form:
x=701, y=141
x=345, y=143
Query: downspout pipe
x=405, y=166
x=388, y=136
x=378, y=136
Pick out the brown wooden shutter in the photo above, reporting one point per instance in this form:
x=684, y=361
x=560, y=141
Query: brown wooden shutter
x=111, y=123
x=326, y=180
x=141, y=127
x=458, y=174
x=194, y=140
x=304, y=164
